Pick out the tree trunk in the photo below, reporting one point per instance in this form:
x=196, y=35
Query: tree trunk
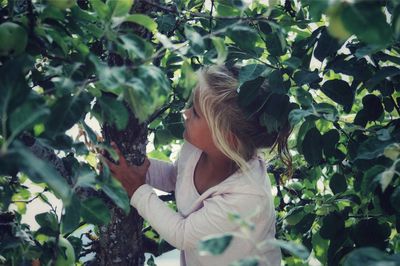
x=121, y=241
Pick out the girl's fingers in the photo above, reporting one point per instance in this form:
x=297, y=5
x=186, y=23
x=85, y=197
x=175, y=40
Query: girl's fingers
x=120, y=155
x=110, y=165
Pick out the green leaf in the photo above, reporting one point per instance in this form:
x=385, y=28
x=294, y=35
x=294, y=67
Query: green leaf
x=95, y=211
x=82, y=15
x=146, y=91
x=372, y=106
x=304, y=128
x=89, y=132
x=116, y=193
x=14, y=88
x=338, y=183
x=25, y=116
x=304, y=97
x=139, y=19
x=195, y=39
x=188, y=79
x=294, y=248
x=296, y=115
x=367, y=21
x=244, y=37
x=320, y=247
x=369, y=179
x=100, y=8
x=330, y=140
x=45, y=172
x=113, y=78
x=312, y=146
x=252, y=71
x=277, y=106
x=382, y=74
x=115, y=111
x=371, y=148
x=48, y=223
x=174, y=123
x=248, y=91
x=166, y=23
x=370, y=232
x=340, y=92
x=120, y=8
x=66, y=112
x=303, y=77
x=162, y=137
x=227, y=8
x=395, y=199
x=251, y=261
x=136, y=47
x=70, y=218
x=369, y=256
x=332, y=225
x=215, y=244
x=305, y=224
x=276, y=83
x=221, y=49
x=326, y=46
x=156, y=154
x=85, y=177
x=276, y=44
x=295, y=215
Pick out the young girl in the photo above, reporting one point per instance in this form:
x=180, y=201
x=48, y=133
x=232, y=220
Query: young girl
x=217, y=173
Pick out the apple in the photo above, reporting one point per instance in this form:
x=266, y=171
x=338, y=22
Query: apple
x=62, y=4
x=336, y=27
x=14, y=39
x=69, y=260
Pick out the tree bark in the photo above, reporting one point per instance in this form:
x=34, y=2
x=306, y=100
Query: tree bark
x=121, y=241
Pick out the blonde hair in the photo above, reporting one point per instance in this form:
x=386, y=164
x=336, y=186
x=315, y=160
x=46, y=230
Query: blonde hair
x=234, y=134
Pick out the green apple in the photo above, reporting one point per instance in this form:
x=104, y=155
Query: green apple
x=13, y=39
x=62, y=4
x=336, y=27
x=69, y=252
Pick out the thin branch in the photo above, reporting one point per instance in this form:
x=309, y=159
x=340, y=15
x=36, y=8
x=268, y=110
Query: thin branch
x=158, y=112
x=395, y=105
x=32, y=199
x=337, y=126
x=162, y=8
x=211, y=17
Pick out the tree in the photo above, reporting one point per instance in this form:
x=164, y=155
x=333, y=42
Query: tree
x=333, y=71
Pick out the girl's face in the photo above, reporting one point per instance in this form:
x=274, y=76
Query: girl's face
x=197, y=131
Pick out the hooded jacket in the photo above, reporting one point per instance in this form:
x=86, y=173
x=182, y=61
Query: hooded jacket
x=241, y=205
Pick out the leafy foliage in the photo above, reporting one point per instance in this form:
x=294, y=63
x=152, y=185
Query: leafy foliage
x=332, y=67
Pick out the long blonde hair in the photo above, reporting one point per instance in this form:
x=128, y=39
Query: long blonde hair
x=218, y=101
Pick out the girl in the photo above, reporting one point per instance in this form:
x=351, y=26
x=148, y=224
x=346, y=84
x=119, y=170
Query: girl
x=217, y=173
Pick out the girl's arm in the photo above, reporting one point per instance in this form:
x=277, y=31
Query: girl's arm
x=161, y=175
x=185, y=232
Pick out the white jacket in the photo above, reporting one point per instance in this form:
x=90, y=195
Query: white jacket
x=202, y=215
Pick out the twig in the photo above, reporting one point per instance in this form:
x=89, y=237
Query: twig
x=32, y=199
x=158, y=112
x=211, y=17
x=395, y=105
x=163, y=8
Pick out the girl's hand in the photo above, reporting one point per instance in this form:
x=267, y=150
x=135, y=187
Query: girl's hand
x=130, y=176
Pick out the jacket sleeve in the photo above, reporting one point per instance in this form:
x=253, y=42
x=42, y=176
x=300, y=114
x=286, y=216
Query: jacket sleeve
x=185, y=232
x=161, y=175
